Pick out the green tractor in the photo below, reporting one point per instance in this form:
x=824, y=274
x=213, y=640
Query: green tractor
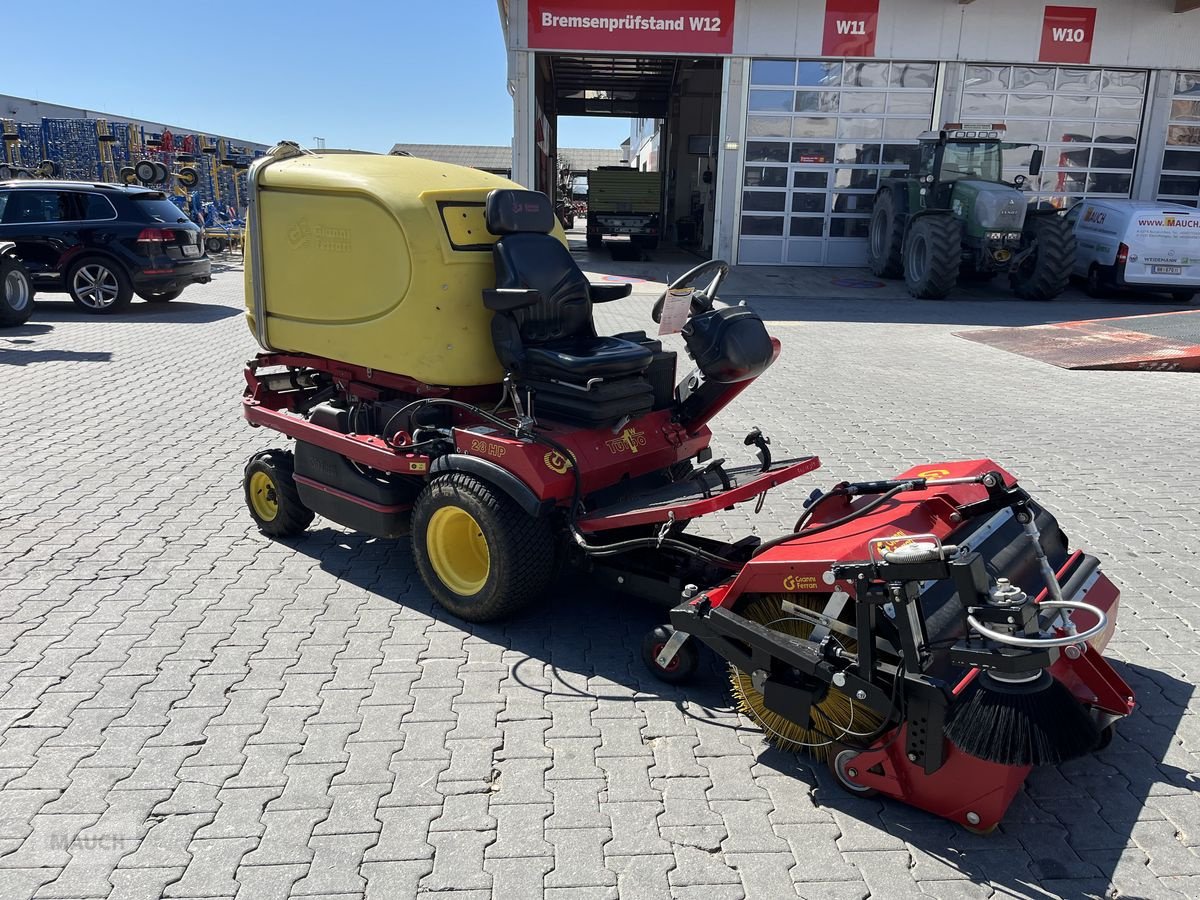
x=953, y=216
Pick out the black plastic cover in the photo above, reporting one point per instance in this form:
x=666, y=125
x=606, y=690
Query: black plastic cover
x=729, y=344
x=512, y=212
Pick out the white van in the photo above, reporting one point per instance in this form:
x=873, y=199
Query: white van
x=1138, y=245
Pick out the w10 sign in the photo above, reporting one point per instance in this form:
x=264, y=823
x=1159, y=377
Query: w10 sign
x=850, y=27
x=1067, y=33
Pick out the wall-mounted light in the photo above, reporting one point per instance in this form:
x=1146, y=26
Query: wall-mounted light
x=731, y=145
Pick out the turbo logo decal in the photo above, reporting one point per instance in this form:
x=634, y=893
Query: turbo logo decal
x=933, y=474
x=629, y=440
x=556, y=462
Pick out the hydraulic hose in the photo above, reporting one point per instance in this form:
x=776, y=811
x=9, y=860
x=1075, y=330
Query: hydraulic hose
x=836, y=523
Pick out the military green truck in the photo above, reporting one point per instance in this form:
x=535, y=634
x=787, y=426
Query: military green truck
x=623, y=201
x=954, y=217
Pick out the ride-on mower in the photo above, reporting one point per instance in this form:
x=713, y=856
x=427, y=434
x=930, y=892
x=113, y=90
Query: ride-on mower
x=428, y=342
x=953, y=216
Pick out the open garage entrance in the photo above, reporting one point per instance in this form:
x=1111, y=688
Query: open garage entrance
x=675, y=104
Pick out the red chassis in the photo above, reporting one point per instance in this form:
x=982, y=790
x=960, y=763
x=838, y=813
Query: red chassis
x=605, y=457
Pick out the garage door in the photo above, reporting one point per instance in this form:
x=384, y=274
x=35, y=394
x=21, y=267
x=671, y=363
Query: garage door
x=1087, y=119
x=1180, y=179
x=819, y=134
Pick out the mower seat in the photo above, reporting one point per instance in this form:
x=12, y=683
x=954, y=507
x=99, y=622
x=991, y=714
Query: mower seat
x=543, y=329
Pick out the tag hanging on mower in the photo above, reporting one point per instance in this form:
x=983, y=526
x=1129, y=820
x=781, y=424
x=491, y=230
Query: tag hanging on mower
x=922, y=671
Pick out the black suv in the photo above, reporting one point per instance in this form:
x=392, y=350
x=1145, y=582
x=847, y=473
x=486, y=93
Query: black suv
x=101, y=243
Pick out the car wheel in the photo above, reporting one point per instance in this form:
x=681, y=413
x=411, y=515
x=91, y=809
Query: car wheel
x=1095, y=286
x=97, y=286
x=214, y=244
x=145, y=171
x=159, y=296
x=16, y=293
x=1183, y=296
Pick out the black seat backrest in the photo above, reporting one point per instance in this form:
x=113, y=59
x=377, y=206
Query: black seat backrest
x=528, y=256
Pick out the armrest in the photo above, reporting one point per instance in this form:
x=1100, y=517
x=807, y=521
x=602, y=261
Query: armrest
x=602, y=293
x=508, y=299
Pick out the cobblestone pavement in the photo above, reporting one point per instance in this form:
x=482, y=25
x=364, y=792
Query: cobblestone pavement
x=188, y=709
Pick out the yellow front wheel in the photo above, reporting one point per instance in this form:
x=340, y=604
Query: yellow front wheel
x=458, y=551
x=271, y=494
x=480, y=555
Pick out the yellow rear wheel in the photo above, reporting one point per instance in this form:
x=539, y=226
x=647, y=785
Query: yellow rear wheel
x=271, y=494
x=264, y=496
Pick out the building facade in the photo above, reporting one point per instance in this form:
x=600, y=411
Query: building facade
x=820, y=98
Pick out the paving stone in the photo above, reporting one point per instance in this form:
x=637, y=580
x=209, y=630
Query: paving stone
x=643, y=876
x=268, y=882
x=518, y=876
x=395, y=878
x=579, y=858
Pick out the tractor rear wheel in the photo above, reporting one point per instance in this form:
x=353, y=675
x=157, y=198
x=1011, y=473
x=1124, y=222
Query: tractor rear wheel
x=932, y=255
x=271, y=495
x=886, y=245
x=1046, y=272
x=481, y=556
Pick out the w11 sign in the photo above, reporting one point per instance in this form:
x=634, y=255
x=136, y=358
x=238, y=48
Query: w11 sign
x=649, y=26
x=850, y=27
x=1067, y=33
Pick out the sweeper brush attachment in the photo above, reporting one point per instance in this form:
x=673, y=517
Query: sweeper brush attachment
x=832, y=719
x=1031, y=721
x=932, y=637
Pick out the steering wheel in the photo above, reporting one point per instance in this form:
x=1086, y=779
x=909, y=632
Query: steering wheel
x=702, y=300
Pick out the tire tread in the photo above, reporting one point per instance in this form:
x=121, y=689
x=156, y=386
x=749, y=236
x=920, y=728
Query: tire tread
x=526, y=542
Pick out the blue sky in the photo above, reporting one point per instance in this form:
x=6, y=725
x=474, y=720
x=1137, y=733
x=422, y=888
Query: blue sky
x=360, y=73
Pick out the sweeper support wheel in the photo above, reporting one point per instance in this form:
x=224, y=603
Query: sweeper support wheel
x=480, y=555
x=271, y=494
x=841, y=764
x=833, y=718
x=679, y=669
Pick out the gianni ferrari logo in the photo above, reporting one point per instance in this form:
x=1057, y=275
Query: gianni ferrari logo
x=556, y=462
x=629, y=441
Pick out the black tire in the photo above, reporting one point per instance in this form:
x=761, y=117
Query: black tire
x=5, y=173
x=885, y=245
x=188, y=177
x=520, y=549
x=47, y=168
x=1047, y=272
x=1183, y=296
x=161, y=173
x=128, y=175
x=932, y=255
x=145, y=171
x=160, y=296
x=214, y=244
x=16, y=292
x=271, y=494
x=1095, y=285
x=97, y=299
x=682, y=667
